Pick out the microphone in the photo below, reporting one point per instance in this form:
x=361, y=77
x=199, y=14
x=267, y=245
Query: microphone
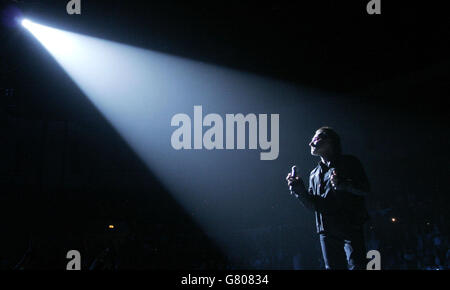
x=293, y=175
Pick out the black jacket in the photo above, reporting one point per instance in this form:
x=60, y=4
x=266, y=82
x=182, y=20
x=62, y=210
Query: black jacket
x=342, y=210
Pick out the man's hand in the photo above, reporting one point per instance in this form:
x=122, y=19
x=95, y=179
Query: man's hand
x=334, y=179
x=294, y=183
x=298, y=190
x=339, y=183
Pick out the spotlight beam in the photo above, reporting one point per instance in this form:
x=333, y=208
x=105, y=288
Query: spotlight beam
x=138, y=91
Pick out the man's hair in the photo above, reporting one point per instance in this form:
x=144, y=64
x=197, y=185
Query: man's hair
x=333, y=137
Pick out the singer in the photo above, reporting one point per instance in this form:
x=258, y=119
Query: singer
x=337, y=187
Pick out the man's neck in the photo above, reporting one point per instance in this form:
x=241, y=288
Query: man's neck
x=327, y=159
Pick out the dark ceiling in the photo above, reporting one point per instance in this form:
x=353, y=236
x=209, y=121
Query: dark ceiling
x=332, y=45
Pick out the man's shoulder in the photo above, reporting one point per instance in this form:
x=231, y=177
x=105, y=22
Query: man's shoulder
x=347, y=158
x=351, y=163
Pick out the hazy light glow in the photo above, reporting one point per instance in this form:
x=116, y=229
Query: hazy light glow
x=25, y=23
x=139, y=91
x=59, y=43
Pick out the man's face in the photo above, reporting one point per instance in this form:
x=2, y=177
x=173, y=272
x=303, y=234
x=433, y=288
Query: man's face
x=320, y=144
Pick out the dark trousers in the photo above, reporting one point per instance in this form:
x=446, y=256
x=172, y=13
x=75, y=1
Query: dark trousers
x=343, y=251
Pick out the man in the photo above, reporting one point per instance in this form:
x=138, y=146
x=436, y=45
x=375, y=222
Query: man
x=337, y=187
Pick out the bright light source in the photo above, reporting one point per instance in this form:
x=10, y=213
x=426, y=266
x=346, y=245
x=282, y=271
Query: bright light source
x=60, y=44
x=25, y=23
x=393, y=219
x=111, y=226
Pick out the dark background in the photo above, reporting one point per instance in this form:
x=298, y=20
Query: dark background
x=64, y=170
